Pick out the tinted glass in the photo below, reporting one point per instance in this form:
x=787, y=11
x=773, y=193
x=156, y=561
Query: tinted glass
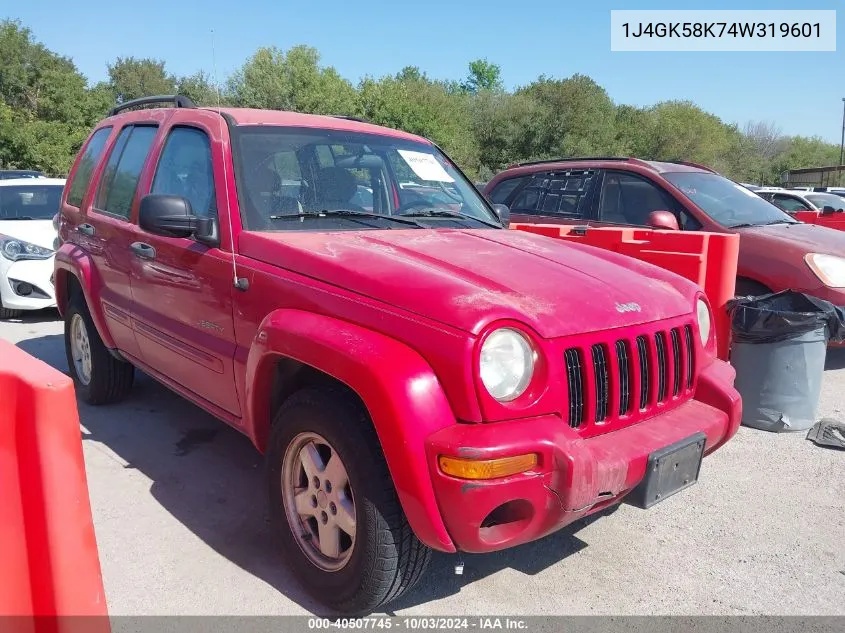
x=29, y=202
x=789, y=203
x=184, y=169
x=329, y=175
x=728, y=203
x=554, y=193
x=89, y=160
x=628, y=199
x=504, y=189
x=123, y=171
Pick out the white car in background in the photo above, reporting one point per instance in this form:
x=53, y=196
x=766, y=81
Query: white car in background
x=792, y=200
x=28, y=242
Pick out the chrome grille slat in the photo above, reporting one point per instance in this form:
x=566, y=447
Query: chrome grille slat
x=660, y=345
x=676, y=361
x=645, y=369
x=575, y=382
x=602, y=381
x=624, y=377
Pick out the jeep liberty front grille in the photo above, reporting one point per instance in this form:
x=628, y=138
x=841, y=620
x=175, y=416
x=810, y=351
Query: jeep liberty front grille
x=625, y=377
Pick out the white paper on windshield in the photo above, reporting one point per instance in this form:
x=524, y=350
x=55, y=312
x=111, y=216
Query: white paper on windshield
x=425, y=166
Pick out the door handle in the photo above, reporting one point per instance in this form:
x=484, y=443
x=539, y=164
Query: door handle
x=85, y=229
x=144, y=251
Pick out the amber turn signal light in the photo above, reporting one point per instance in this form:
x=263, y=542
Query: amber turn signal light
x=486, y=468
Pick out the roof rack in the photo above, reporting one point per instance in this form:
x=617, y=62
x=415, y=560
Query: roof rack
x=698, y=165
x=566, y=160
x=178, y=101
x=348, y=118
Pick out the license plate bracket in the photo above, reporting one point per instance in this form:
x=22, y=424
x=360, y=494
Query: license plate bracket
x=671, y=469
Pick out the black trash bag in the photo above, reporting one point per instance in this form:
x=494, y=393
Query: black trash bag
x=782, y=316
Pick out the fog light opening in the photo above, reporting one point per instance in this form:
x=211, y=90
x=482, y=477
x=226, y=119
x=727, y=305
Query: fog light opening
x=23, y=289
x=506, y=521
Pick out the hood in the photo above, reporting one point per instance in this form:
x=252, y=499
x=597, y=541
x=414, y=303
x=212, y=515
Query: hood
x=809, y=238
x=468, y=278
x=38, y=232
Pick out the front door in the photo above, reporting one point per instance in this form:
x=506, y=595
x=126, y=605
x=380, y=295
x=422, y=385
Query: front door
x=182, y=289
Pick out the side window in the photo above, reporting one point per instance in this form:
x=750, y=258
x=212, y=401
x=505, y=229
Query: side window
x=629, y=199
x=184, y=169
x=123, y=169
x=89, y=160
x=504, y=189
x=555, y=193
x=788, y=203
x=688, y=222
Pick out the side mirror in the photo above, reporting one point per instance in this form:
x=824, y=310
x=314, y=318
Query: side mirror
x=172, y=216
x=663, y=220
x=828, y=209
x=503, y=213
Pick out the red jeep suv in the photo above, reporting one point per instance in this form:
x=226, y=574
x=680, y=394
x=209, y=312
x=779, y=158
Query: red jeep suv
x=775, y=250
x=418, y=377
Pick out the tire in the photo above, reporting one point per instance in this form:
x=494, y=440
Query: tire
x=384, y=559
x=5, y=313
x=749, y=287
x=107, y=379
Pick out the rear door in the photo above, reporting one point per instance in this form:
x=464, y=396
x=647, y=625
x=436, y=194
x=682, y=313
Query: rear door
x=182, y=289
x=107, y=230
x=556, y=197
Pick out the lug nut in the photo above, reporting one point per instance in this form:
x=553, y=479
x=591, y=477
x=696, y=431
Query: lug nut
x=324, y=517
x=313, y=501
x=328, y=486
x=315, y=482
x=333, y=508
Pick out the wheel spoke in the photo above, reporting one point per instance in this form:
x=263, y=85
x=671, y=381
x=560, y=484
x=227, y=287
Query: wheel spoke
x=311, y=461
x=336, y=473
x=302, y=501
x=345, y=518
x=329, y=535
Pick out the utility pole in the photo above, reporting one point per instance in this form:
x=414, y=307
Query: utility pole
x=842, y=142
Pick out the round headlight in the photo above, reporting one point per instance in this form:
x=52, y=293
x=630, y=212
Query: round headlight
x=13, y=248
x=506, y=364
x=703, y=315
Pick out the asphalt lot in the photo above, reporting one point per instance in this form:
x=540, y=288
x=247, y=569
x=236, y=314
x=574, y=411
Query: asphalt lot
x=178, y=503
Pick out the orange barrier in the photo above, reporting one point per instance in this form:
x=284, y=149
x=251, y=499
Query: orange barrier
x=831, y=220
x=48, y=553
x=708, y=259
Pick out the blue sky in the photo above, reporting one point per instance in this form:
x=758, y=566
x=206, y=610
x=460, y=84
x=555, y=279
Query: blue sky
x=800, y=92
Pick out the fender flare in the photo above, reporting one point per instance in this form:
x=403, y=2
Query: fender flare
x=75, y=261
x=405, y=401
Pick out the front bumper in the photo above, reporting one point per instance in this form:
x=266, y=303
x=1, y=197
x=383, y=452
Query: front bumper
x=27, y=284
x=574, y=476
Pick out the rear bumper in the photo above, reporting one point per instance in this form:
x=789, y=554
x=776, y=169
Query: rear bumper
x=574, y=476
x=27, y=284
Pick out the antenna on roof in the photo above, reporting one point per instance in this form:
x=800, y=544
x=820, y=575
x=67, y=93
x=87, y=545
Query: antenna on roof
x=240, y=284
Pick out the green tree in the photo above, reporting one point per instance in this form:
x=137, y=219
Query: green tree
x=199, y=88
x=292, y=81
x=483, y=75
x=132, y=78
x=577, y=117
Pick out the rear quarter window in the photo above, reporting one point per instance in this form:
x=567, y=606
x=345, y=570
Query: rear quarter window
x=90, y=157
x=120, y=178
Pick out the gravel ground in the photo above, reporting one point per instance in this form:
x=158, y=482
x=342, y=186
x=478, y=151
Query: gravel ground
x=180, y=517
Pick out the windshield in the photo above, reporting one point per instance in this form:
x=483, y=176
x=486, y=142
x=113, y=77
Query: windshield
x=822, y=200
x=313, y=179
x=29, y=202
x=726, y=202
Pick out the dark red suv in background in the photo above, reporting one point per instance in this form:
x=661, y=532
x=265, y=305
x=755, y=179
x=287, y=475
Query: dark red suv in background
x=775, y=250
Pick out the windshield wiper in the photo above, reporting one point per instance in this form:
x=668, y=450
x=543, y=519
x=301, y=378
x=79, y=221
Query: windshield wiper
x=348, y=213
x=747, y=224
x=20, y=217
x=442, y=213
